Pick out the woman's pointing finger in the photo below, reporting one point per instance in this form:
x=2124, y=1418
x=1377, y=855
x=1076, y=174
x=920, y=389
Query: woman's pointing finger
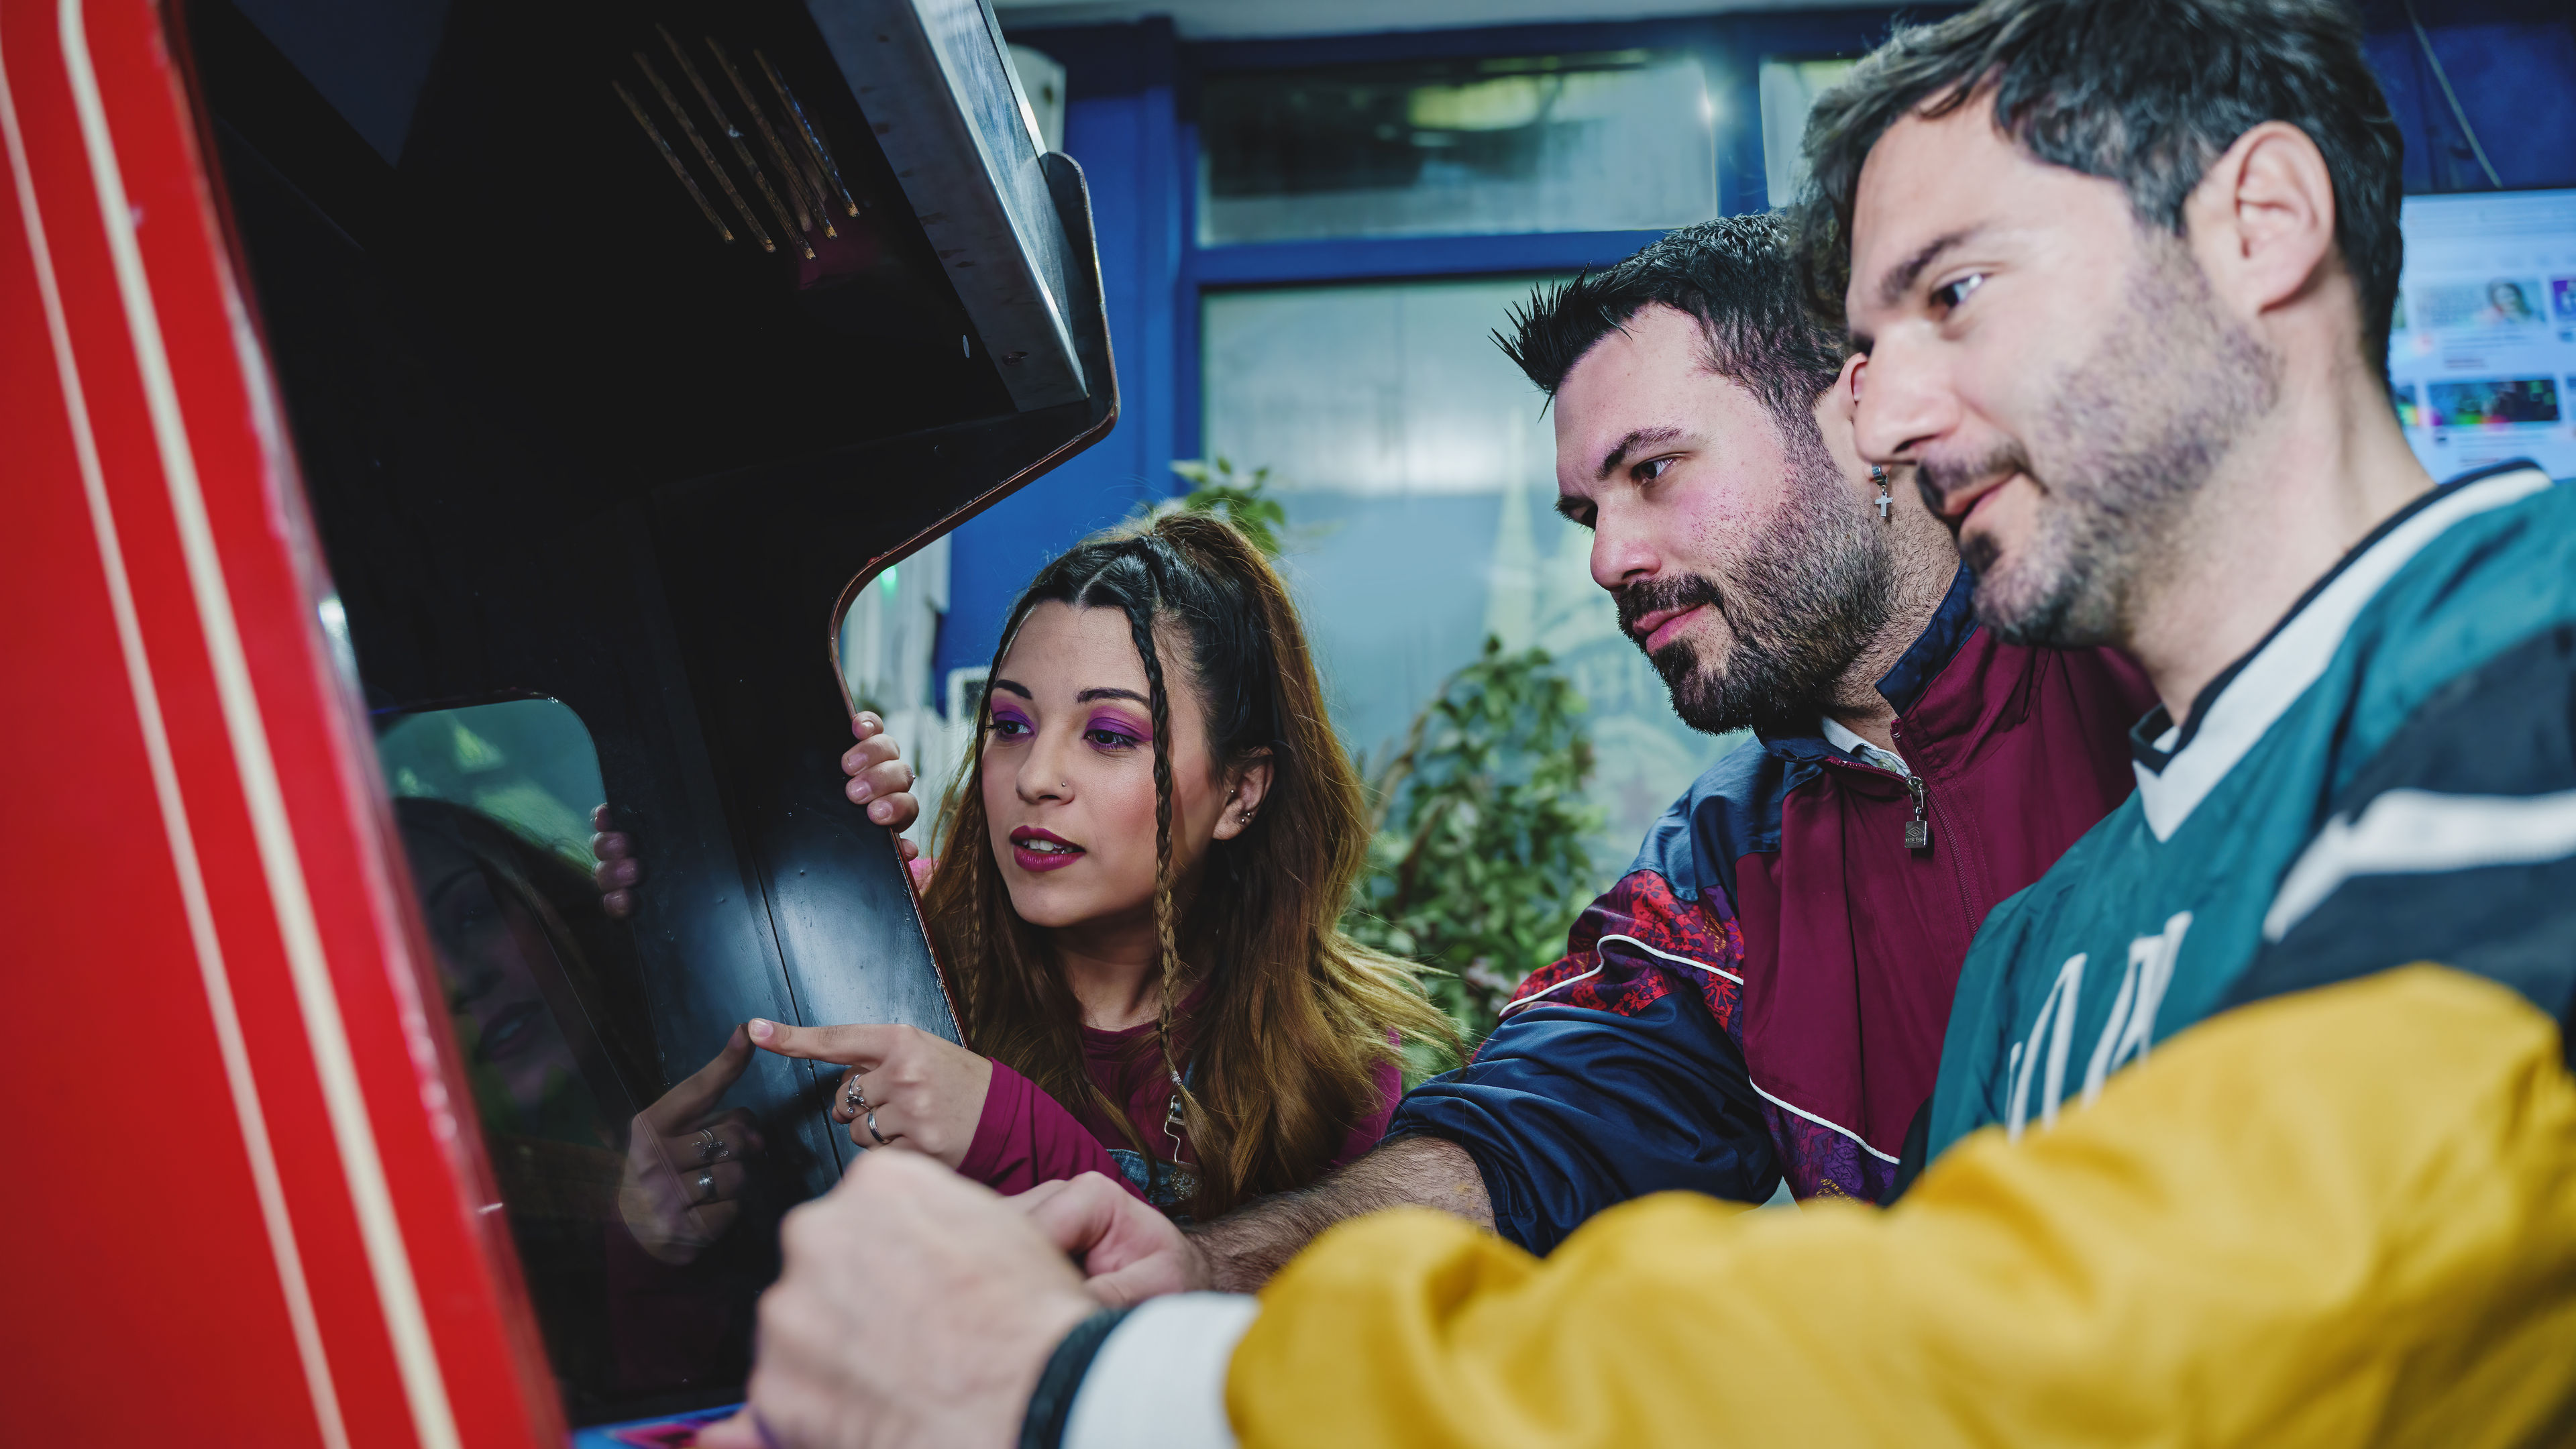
x=862, y=1046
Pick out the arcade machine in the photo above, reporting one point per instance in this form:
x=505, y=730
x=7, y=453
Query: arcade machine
x=435, y=419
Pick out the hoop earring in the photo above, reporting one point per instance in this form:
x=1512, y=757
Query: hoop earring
x=1878, y=475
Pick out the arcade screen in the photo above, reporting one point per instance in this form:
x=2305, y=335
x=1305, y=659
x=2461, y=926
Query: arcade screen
x=2482, y=354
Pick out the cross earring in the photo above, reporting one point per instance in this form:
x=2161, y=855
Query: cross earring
x=1878, y=475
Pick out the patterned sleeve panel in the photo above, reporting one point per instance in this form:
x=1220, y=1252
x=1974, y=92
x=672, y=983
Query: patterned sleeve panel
x=1615, y=1073
x=1820, y=1161
x=1635, y=943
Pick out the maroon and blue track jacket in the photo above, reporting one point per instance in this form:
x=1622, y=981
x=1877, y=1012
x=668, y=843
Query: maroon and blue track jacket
x=1763, y=994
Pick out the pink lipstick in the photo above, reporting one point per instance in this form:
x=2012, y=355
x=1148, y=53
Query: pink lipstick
x=1042, y=850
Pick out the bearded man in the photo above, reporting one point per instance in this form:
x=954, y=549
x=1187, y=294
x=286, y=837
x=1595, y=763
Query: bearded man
x=1761, y=996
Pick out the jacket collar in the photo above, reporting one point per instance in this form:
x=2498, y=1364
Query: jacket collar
x=1903, y=684
x=2178, y=768
x=1936, y=646
x=2149, y=745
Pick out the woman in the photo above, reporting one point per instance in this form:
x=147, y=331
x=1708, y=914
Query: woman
x=1147, y=855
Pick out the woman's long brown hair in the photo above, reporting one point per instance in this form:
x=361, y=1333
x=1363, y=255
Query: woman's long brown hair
x=1296, y=1017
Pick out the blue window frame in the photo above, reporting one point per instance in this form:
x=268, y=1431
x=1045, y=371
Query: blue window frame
x=1730, y=49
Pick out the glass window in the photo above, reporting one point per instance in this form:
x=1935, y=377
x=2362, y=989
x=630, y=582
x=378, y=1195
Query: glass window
x=1612, y=142
x=1789, y=91
x=1419, y=478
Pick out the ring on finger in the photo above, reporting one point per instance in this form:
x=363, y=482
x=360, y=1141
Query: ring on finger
x=882, y=1139
x=712, y=1148
x=855, y=1095
x=706, y=1185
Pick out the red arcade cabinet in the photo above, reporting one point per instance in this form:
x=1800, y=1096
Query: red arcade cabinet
x=425, y=420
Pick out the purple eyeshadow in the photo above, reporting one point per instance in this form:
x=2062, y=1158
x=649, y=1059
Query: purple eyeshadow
x=1140, y=733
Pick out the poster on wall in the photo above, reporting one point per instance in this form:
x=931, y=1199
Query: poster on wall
x=2482, y=346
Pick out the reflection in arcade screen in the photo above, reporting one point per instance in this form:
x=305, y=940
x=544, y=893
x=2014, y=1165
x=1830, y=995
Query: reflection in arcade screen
x=2482, y=354
x=644, y=1213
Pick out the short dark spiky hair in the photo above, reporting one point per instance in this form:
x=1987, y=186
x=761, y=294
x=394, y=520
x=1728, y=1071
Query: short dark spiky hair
x=2146, y=93
x=1733, y=274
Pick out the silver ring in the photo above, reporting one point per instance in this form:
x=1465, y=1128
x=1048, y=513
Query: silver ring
x=882, y=1140
x=710, y=1147
x=854, y=1095
x=707, y=1186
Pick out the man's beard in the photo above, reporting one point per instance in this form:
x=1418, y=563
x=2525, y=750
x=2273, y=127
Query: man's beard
x=1801, y=607
x=2136, y=430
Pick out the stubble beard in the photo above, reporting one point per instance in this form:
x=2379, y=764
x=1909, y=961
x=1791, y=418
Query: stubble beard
x=1800, y=607
x=2136, y=432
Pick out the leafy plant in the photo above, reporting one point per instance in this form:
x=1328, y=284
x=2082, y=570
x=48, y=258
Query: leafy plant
x=1477, y=862
x=1240, y=499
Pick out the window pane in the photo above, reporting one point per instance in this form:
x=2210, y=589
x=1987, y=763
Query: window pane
x=1789, y=91
x=1624, y=141
x=1419, y=478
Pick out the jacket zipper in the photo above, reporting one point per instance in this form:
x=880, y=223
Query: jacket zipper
x=1918, y=831
x=1968, y=915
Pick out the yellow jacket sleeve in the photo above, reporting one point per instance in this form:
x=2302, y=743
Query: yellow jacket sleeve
x=2342, y=1217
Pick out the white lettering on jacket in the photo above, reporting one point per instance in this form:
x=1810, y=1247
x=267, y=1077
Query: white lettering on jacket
x=2057, y=1009
x=2130, y=1031
x=2127, y=1035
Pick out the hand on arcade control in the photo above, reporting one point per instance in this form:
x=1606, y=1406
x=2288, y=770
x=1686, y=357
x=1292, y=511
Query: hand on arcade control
x=905, y=1087
x=879, y=779
x=684, y=1168
x=913, y=1308
x=1128, y=1250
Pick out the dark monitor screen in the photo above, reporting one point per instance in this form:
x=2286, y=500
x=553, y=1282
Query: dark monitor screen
x=641, y=1193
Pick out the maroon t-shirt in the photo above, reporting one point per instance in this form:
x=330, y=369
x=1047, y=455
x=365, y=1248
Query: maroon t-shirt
x=1026, y=1137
